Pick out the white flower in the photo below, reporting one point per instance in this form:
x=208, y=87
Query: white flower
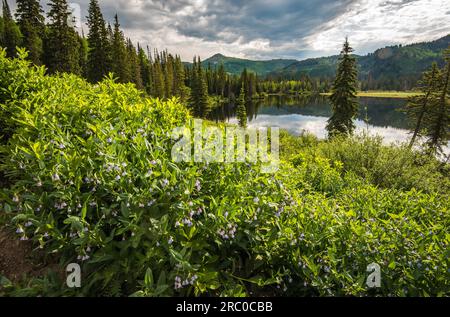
x=170, y=240
x=19, y=231
x=256, y=200
x=28, y=224
x=55, y=177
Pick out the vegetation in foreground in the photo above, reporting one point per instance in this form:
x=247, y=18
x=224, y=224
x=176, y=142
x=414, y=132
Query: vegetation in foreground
x=88, y=177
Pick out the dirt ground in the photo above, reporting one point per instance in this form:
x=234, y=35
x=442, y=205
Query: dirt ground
x=17, y=258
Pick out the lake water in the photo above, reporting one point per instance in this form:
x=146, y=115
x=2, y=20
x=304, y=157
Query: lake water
x=299, y=115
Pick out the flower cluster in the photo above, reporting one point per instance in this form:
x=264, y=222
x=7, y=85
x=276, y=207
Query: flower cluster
x=179, y=283
x=229, y=232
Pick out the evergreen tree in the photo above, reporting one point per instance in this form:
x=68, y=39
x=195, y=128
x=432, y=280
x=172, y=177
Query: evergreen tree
x=31, y=20
x=99, y=63
x=11, y=36
x=199, y=102
x=418, y=107
x=179, y=80
x=158, y=77
x=438, y=120
x=120, y=66
x=241, y=111
x=344, y=103
x=168, y=74
x=144, y=68
x=133, y=61
x=62, y=44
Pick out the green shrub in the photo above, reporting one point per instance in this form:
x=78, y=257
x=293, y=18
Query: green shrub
x=387, y=166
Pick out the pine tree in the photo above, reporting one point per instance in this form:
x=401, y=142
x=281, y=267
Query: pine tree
x=168, y=74
x=120, y=67
x=199, y=101
x=62, y=44
x=179, y=80
x=438, y=121
x=344, y=103
x=241, y=111
x=133, y=61
x=144, y=68
x=418, y=107
x=31, y=20
x=99, y=62
x=11, y=36
x=158, y=78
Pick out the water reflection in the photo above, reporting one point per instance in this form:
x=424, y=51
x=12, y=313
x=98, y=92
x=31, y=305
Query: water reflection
x=297, y=115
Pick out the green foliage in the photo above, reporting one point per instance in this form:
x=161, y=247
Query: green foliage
x=30, y=19
x=387, y=166
x=90, y=179
x=99, y=58
x=61, y=43
x=343, y=98
x=241, y=109
x=199, y=101
x=11, y=36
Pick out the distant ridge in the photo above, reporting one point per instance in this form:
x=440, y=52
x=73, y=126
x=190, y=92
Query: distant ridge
x=393, y=67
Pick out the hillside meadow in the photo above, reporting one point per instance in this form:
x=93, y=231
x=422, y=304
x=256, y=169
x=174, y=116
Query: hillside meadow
x=87, y=177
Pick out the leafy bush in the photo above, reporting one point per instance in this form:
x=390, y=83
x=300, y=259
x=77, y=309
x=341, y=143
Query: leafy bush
x=387, y=166
x=90, y=180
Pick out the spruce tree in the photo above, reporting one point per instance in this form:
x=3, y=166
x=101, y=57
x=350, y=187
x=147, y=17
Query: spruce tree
x=144, y=68
x=133, y=61
x=418, y=107
x=168, y=74
x=31, y=20
x=11, y=36
x=344, y=103
x=241, y=111
x=120, y=66
x=179, y=80
x=62, y=44
x=199, y=102
x=99, y=62
x=158, y=78
x=438, y=119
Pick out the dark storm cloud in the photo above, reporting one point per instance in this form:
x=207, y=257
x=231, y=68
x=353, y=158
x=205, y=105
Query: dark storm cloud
x=226, y=20
x=278, y=21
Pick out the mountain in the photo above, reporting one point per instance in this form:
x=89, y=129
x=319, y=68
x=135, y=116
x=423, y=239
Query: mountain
x=393, y=68
x=236, y=66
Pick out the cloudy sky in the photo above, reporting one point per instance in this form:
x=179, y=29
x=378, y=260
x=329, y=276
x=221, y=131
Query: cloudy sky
x=266, y=29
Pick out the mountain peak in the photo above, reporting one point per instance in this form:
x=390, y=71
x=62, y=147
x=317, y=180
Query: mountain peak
x=218, y=55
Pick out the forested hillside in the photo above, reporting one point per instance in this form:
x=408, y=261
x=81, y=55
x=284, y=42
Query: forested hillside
x=236, y=66
x=389, y=68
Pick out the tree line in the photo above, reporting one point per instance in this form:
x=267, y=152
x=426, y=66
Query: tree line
x=106, y=49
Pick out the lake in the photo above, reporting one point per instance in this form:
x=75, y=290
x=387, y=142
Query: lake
x=310, y=114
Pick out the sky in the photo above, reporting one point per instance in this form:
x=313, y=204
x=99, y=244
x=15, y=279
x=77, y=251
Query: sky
x=271, y=29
